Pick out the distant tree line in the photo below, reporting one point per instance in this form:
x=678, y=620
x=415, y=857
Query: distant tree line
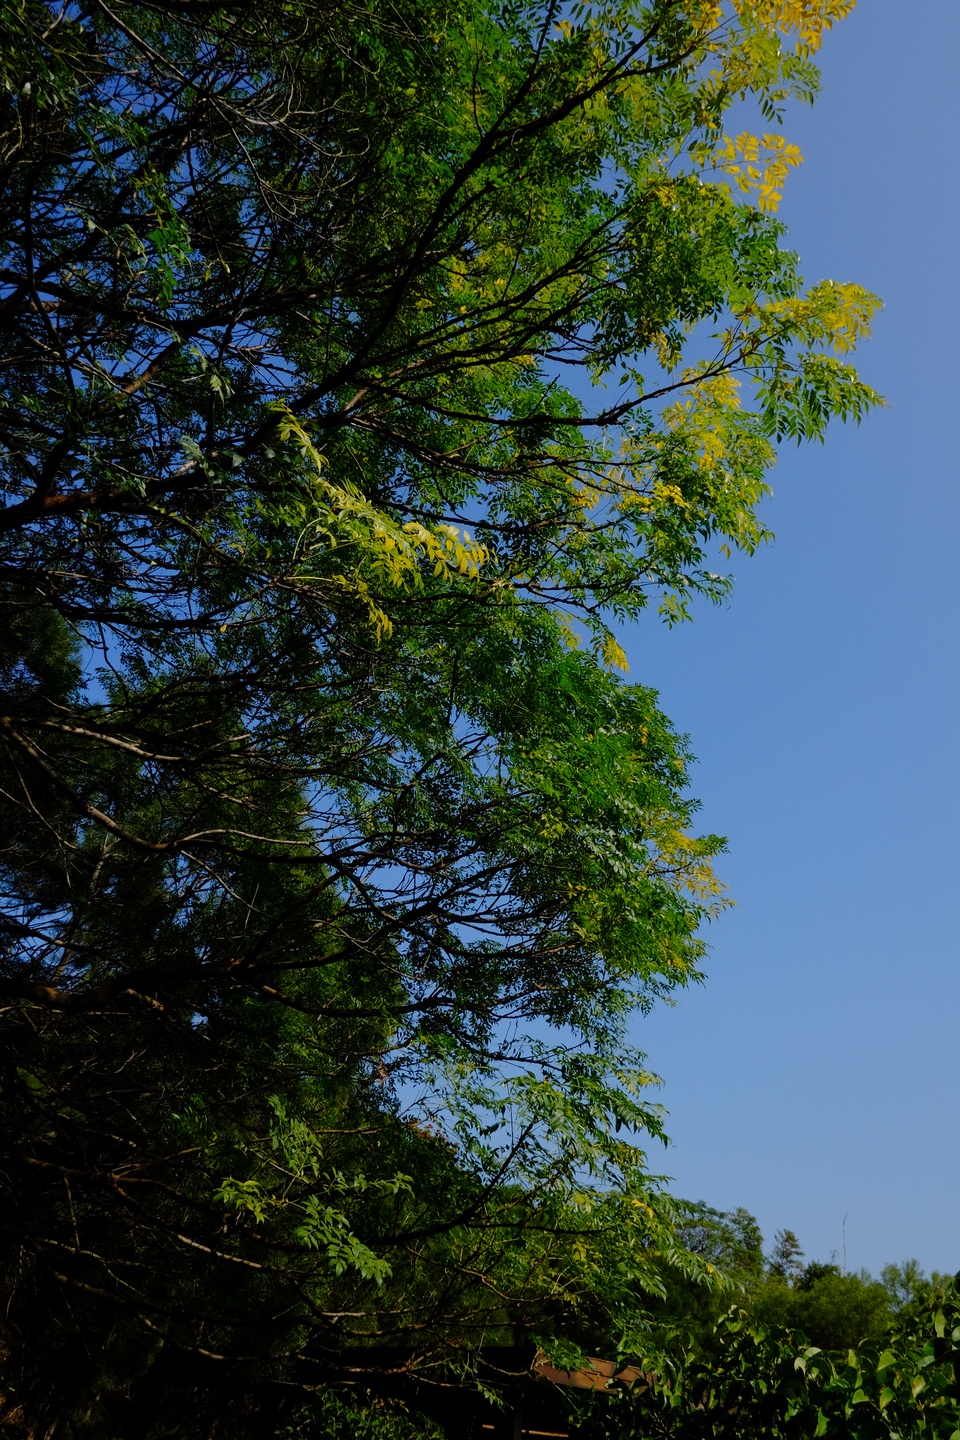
x=834, y=1308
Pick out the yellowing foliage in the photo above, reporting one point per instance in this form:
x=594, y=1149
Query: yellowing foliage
x=686, y=860
x=806, y=19
x=392, y=554
x=759, y=164
x=834, y=313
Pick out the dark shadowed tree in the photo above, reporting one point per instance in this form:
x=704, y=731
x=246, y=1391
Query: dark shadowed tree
x=362, y=368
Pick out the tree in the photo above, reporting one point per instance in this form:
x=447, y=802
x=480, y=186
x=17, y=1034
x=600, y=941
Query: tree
x=730, y=1245
x=834, y=1311
x=337, y=854
x=786, y=1257
x=909, y=1289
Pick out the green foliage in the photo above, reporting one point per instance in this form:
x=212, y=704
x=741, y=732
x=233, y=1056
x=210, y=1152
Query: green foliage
x=909, y=1289
x=730, y=1246
x=353, y=397
x=835, y=1311
x=763, y=1381
x=330, y=1416
x=786, y=1257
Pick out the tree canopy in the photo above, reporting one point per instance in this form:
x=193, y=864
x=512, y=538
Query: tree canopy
x=364, y=368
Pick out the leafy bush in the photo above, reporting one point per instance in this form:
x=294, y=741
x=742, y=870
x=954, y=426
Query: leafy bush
x=766, y=1382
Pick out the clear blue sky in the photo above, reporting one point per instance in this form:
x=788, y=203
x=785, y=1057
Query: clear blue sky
x=817, y=1074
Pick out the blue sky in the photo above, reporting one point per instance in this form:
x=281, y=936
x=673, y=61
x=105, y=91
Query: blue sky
x=816, y=1076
